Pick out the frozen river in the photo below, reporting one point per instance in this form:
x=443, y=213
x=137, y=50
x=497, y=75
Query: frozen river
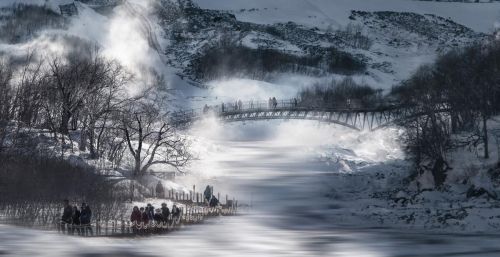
x=288, y=186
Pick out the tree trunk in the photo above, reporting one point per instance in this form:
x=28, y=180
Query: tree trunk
x=137, y=168
x=485, y=138
x=83, y=140
x=63, y=127
x=439, y=171
x=93, y=153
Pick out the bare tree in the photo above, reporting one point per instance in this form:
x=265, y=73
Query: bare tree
x=150, y=139
x=5, y=102
x=101, y=99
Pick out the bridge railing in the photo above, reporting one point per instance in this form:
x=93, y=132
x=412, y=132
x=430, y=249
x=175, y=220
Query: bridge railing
x=283, y=104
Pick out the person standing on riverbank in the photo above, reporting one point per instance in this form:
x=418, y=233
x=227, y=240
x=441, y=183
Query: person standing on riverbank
x=66, y=218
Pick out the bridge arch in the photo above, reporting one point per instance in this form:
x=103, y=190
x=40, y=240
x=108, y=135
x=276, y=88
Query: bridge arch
x=353, y=118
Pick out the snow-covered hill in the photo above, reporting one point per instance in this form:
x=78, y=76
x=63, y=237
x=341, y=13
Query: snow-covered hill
x=480, y=17
x=164, y=38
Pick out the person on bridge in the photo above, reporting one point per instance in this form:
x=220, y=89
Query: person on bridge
x=275, y=102
x=222, y=107
x=160, y=192
x=240, y=105
x=294, y=102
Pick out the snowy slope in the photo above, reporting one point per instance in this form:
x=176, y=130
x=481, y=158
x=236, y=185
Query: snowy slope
x=322, y=13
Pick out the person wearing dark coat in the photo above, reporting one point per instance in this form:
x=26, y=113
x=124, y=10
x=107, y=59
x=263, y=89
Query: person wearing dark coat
x=67, y=215
x=176, y=212
x=144, y=216
x=158, y=217
x=160, y=192
x=165, y=211
x=76, y=220
x=208, y=193
x=136, y=215
x=85, y=219
x=150, y=211
x=214, y=202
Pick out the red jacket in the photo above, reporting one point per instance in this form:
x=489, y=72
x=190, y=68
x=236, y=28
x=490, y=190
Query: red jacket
x=136, y=216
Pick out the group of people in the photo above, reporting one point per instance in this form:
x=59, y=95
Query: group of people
x=148, y=214
x=76, y=219
x=209, y=197
x=238, y=105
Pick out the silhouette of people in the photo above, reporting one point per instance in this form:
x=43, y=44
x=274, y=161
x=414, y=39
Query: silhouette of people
x=165, y=211
x=144, y=216
x=294, y=102
x=136, y=216
x=176, y=212
x=85, y=219
x=76, y=220
x=67, y=216
x=222, y=107
x=208, y=193
x=275, y=103
x=158, y=217
x=213, y=201
x=150, y=211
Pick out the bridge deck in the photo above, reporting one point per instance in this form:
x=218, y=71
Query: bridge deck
x=355, y=117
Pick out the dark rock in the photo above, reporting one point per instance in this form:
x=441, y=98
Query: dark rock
x=478, y=192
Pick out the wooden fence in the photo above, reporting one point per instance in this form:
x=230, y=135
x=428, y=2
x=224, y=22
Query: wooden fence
x=192, y=197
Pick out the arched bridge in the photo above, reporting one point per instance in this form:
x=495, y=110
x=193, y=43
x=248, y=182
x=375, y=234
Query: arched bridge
x=353, y=117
